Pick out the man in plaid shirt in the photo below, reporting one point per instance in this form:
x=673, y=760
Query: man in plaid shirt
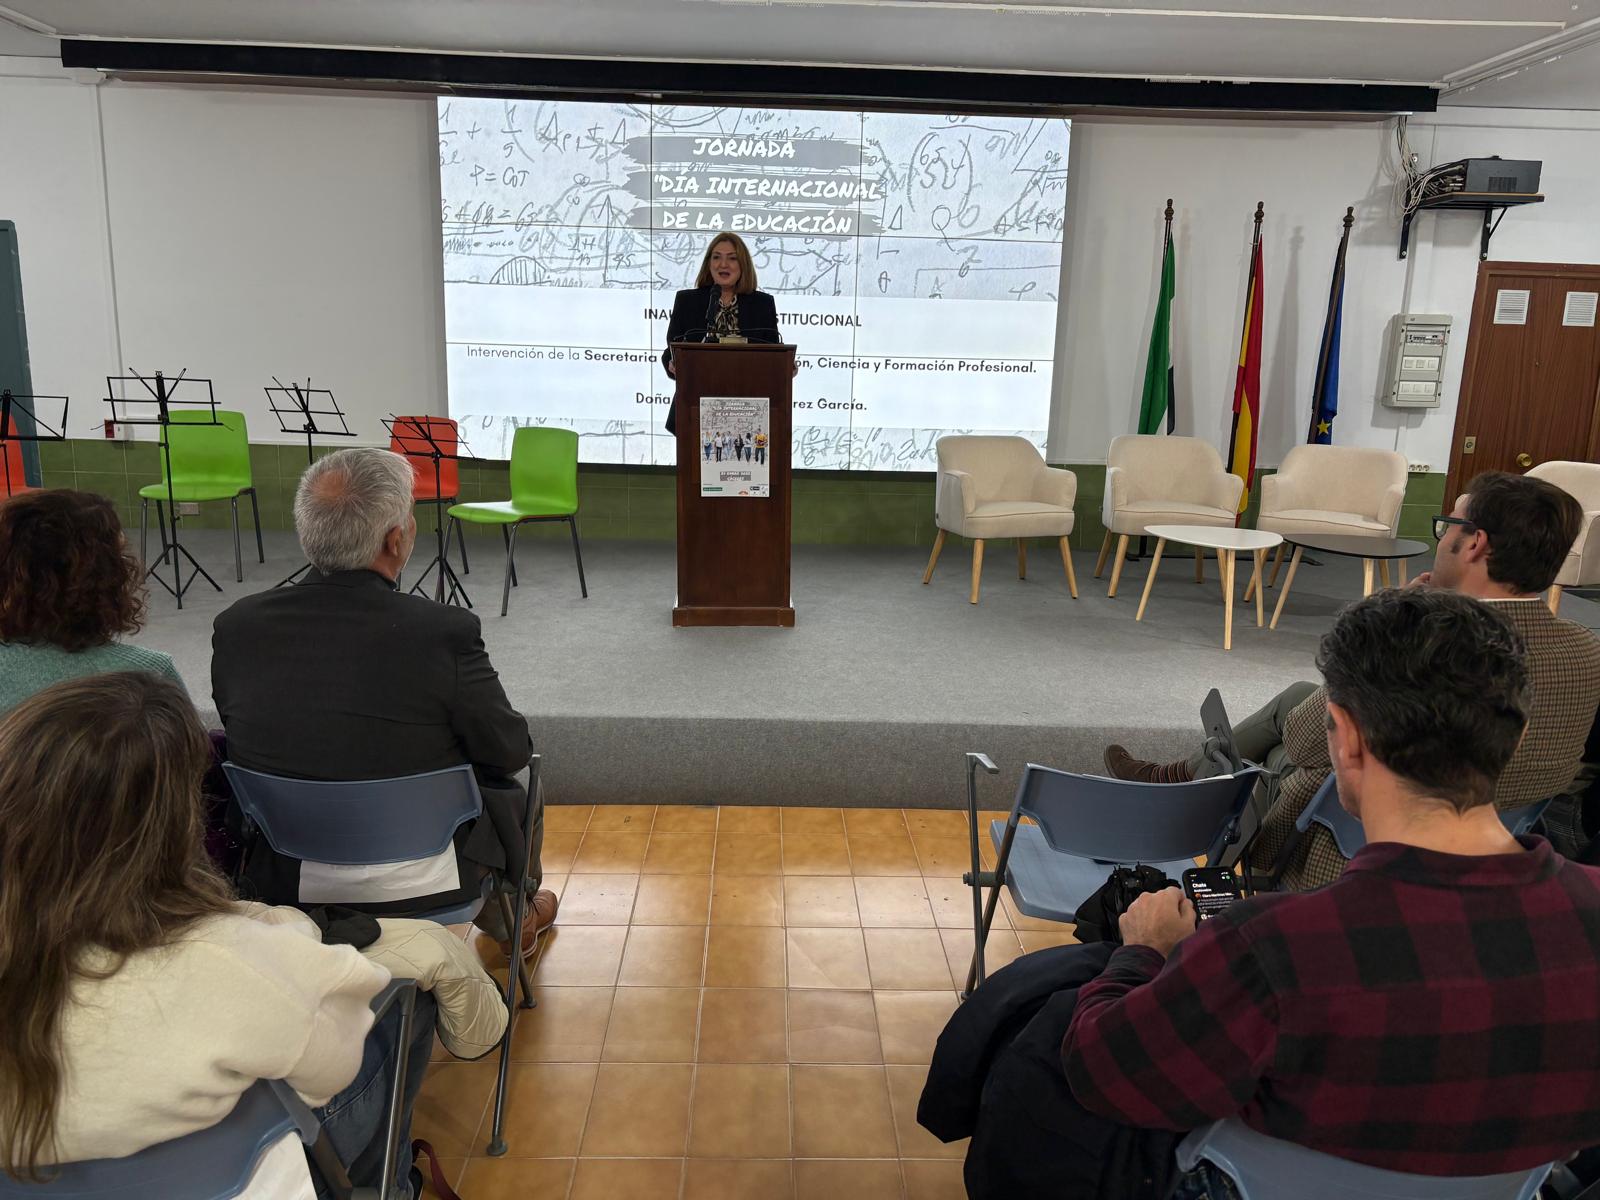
x=1434, y=1009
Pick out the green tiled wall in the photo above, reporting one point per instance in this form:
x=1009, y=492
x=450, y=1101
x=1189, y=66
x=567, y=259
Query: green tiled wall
x=624, y=502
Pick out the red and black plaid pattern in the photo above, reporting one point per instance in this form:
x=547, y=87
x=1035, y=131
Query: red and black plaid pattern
x=1429, y=1013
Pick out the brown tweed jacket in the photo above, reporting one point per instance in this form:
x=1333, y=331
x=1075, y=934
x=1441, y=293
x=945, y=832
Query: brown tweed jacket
x=1564, y=666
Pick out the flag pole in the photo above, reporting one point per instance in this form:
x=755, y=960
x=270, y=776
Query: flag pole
x=1325, y=353
x=1166, y=247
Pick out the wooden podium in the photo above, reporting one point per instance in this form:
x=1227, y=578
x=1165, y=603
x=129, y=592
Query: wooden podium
x=733, y=551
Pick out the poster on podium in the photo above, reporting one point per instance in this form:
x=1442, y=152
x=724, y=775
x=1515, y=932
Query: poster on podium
x=735, y=432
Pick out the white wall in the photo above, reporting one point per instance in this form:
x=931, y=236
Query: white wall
x=1122, y=171
x=243, y=233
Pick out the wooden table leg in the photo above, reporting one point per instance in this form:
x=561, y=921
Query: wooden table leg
x=1150, y=579
x=1261, y=611
x=1366, y=577
x=1066, y=561
x=1227, y=598
x=1288, y=582
x=1199, y=564
x=1277, y=563
x=1400, y=568
x=1383, y=570
x=1022, y=559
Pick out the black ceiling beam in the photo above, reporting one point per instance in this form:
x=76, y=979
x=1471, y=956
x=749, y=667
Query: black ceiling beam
x=645, y=81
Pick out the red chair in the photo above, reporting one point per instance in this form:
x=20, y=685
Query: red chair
x=12, y=480
x=408, y=439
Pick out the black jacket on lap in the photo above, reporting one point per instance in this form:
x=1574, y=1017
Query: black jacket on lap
x=996, y=1077
x=344, y=677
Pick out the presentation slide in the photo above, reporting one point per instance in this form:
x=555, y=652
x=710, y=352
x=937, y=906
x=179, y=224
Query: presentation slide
x=915, y=262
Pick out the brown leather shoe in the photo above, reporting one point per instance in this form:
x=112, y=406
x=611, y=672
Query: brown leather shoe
x=1122, y=765
x=540, y=915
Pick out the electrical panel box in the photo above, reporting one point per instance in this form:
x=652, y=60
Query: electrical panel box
x=1414, y=370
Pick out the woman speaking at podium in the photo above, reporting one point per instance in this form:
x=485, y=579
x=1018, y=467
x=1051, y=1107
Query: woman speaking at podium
x=723, y=305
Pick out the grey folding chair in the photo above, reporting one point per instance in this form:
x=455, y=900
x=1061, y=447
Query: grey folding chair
x=217, y=1163
x=1083, y=826
x=369, y=822
x=1264, y=1168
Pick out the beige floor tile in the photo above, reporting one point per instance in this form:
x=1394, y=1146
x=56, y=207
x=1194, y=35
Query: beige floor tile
x=873, y=822
x=738, y=1179
x=883, y=854
x=745, y=957
x=928, y=1180
x=546, y=1104
x=827, y=958
x=905, y=1090
x=610, y=853
x=894, y=902
x=568, y=1025
x=679, y=854
x=598, y=899
x=1020, y=921
x=549, y=881
x=664, y=956
x=748, y=853
x=639, y=1111
x=686, y=818
x=1038, y=939
x=841, y=1112
x=740, y=1112
x=748, y=818
x=820, y=901
x=833, y=1027
x=567, y=818
x=815, y=854
x=1001, y=948
x=581, y=955
x=812, y=820
x=859, y=1179
x=938, y=855
x=939, y=822
x=743, y=1025
x=906, y=959
x=451, y=1105
x=653, y=1025
x=952, y=904
x=558, y=850
x=516, y=1178
x=626, y=1179
x=909, y=1023
x=672, y=900
x=622, y=818
x=747, y=900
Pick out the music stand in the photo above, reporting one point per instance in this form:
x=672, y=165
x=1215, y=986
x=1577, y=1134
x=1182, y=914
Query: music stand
x=415, y=439
x=13, y=404
x=159, y=406
x=295, y=408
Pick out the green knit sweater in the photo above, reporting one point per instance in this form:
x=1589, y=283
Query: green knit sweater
x=26, y=668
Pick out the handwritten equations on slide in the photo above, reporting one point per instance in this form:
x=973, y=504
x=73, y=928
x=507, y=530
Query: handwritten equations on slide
x=915, y=261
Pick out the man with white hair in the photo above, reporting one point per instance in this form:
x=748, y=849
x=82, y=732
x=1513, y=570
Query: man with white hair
x=346, y=677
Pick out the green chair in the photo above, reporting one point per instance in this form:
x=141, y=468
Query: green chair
x=544, y=487
x=209, y=462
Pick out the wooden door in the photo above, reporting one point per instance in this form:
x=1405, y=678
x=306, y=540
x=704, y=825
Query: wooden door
x=1530, y=392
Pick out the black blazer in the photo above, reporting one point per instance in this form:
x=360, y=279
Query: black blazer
x=758, y=321
x=345, y=677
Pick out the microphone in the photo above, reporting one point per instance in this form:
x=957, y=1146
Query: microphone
x=711, y=313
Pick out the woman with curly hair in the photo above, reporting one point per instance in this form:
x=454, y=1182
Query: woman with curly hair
x=68, y=589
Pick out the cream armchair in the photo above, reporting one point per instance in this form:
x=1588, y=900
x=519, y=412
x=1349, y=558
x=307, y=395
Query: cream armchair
x=1581, y=480
x=1349, y=491
x=1000, y=487
x=1158, y=479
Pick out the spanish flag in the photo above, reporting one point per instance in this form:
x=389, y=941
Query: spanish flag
x=1247, y=385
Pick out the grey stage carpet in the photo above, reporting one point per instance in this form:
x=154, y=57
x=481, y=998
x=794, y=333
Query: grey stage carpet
x=870, y=700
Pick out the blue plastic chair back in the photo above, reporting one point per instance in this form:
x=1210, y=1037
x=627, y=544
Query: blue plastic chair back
x=210, y=1164
x=1324, y=809
x=361, y=823
x=1264, y=1168
x=1115, y=820
x=1523, y=818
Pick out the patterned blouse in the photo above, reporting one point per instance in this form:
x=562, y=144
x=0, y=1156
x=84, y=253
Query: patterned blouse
x=727, y=320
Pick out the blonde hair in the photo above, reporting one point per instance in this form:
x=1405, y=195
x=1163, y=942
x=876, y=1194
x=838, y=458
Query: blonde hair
x=747, y=269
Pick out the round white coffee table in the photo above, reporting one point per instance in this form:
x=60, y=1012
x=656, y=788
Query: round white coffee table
x=1227, y=543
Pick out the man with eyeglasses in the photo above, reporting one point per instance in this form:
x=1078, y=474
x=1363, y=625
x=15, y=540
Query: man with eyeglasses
x=1503, y=543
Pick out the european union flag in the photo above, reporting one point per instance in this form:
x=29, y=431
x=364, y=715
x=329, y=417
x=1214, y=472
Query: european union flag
x=1325, y=393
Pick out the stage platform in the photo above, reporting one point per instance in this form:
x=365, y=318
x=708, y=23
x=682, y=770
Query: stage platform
x=870, y=700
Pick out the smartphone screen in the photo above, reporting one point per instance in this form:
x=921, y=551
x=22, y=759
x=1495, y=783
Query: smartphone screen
x=1211, y=889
